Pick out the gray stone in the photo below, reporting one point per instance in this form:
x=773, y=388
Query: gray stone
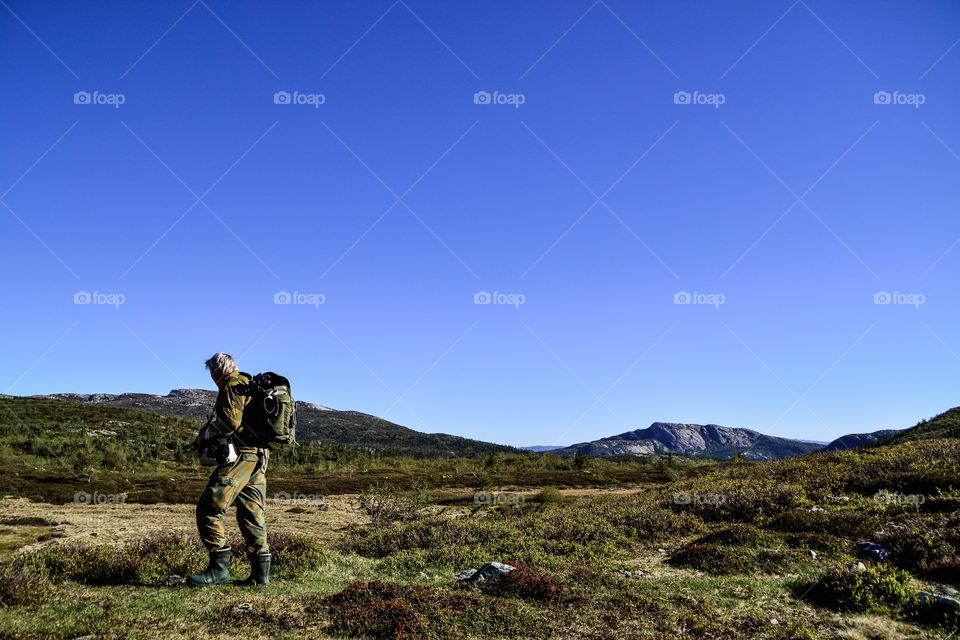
x=465, y=574
x=855, y=567
x=944, y=602
x=490, y=572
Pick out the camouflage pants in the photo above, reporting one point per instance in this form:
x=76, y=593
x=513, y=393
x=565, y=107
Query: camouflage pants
x=245, y=483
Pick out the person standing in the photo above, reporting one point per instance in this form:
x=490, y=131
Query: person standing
x=241, y=481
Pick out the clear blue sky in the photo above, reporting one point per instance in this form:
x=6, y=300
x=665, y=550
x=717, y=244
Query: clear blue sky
x=399, y=198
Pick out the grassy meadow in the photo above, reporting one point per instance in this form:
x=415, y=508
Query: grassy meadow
x=665, y=547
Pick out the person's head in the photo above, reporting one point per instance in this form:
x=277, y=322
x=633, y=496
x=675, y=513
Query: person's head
x=220, y=365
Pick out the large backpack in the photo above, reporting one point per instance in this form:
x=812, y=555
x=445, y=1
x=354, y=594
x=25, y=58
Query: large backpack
x=272, y=411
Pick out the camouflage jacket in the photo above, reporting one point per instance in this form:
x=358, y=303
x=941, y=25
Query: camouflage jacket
x=228, y=411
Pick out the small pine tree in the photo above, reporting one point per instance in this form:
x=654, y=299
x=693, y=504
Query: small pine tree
x=579, y=460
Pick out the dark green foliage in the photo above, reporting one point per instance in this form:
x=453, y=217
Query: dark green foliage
x=944, y=425
x=878, y=588
x=851, y=523
x=739, y=549
x=550, y=535
x=928, y=546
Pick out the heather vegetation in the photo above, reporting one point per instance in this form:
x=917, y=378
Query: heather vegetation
x=693, y=549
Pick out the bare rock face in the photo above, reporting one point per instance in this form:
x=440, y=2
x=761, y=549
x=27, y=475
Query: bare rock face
x=710, y=441
x=192, y=394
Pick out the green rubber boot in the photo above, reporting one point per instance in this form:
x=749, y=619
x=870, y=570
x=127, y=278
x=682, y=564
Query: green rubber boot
x=259, y=570
x=217, y=573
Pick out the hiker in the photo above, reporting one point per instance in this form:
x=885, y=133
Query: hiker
x=240, y=477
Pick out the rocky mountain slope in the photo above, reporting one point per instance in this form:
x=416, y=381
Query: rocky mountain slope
x=708, y=441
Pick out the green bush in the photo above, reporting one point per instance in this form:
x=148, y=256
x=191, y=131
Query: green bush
x=386, y=504
x=876, y=588
x=548, y=495
x=293, y=553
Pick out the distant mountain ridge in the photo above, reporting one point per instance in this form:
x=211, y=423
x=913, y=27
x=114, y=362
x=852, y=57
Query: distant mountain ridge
x=708, y=441
x=314, y=422
x=854, y=440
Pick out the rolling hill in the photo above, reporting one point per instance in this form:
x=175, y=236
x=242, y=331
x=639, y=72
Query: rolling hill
x=314, y=423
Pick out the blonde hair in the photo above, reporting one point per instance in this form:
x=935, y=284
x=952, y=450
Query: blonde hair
x=221, y=364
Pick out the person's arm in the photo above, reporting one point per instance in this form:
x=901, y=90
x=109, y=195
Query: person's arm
x=229, y=410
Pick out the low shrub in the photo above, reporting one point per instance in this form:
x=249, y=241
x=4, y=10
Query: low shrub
x=846, y=523
x=527, y=583
x=547, y=495
x=738, y=549
x=22, y=587
x=387, y=504
x=928, y=546
x=875, y=588
x=293, y=553
x=384, y=610
x=153, y=559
